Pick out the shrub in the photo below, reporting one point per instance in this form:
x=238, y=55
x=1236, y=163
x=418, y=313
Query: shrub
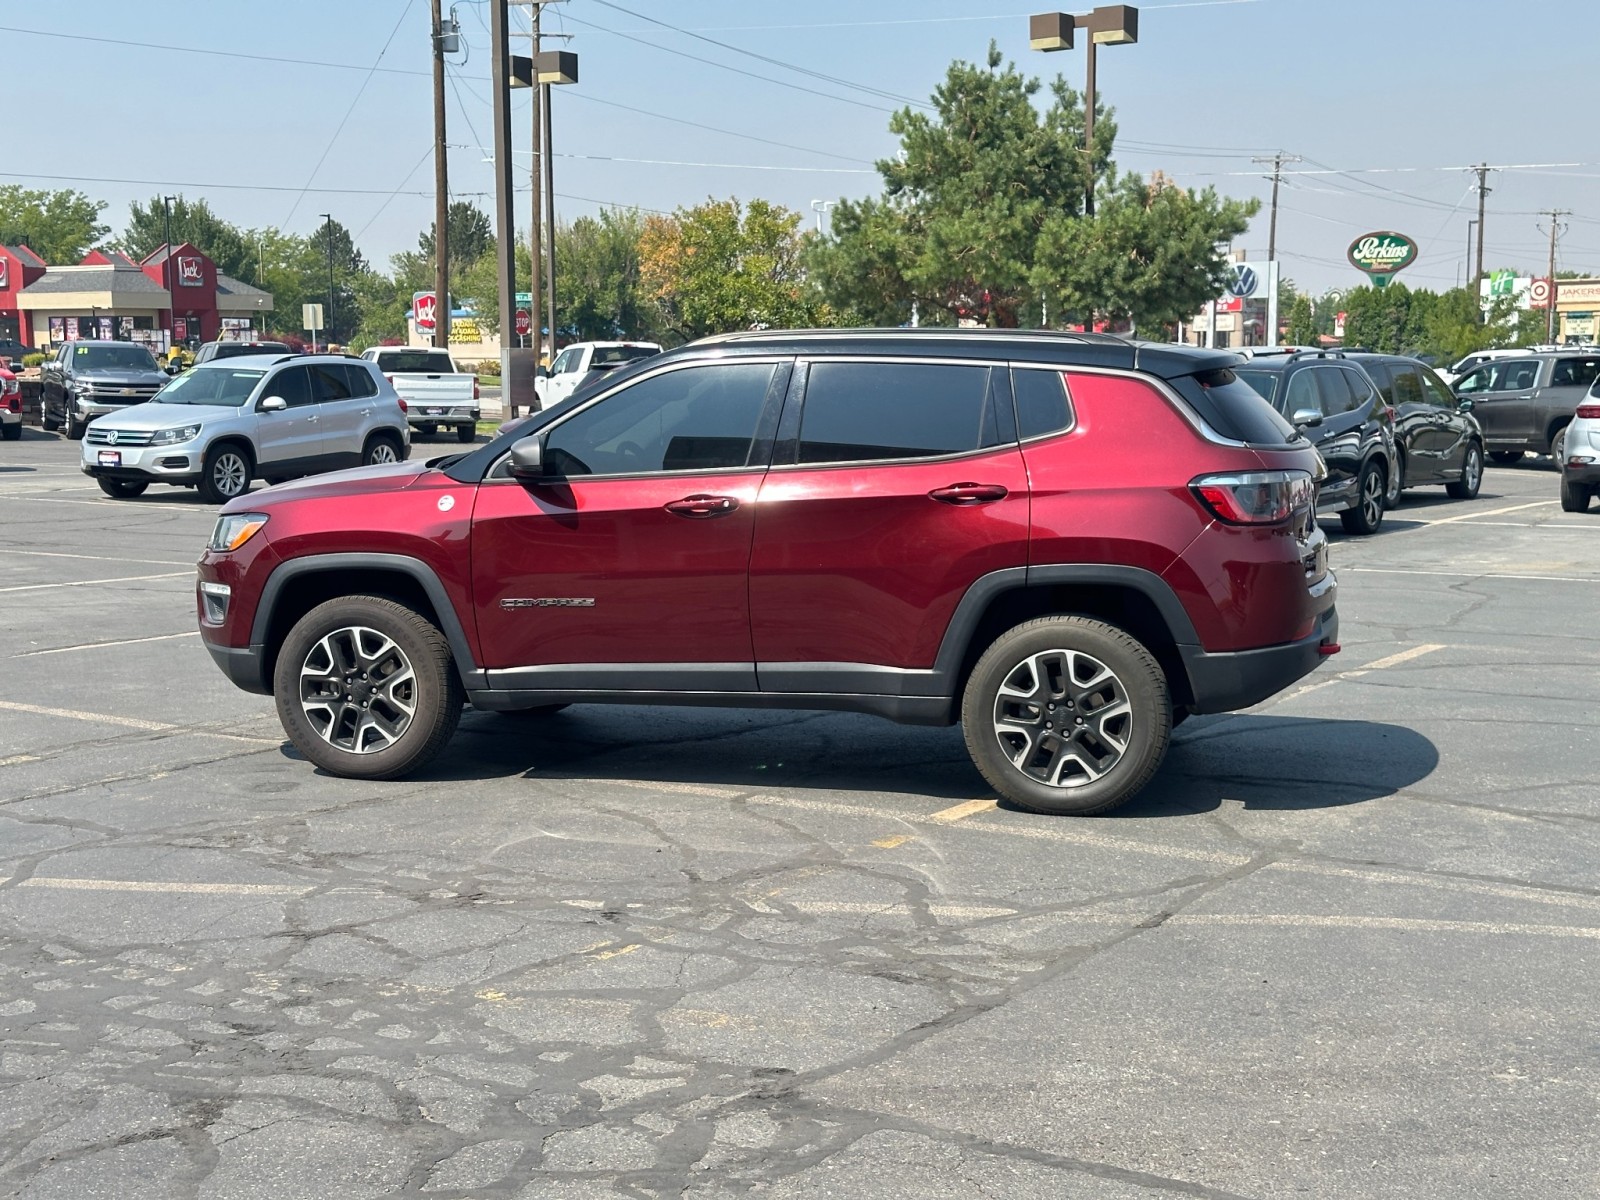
x=33, y=360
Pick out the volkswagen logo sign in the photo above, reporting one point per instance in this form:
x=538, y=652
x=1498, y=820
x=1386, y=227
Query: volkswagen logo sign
x=111, y=437
x=1243, y=282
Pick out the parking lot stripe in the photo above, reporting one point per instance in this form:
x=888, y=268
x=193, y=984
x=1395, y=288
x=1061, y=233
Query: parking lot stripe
x=1493, y=512
x=1394, y=660
x=40, y=587
x=163, y=885
x=17, y=759
x=1467, y=574
x=143, y=562
x=73, y=714
x=1396, y=924
x=164, y=637
x=959, y=811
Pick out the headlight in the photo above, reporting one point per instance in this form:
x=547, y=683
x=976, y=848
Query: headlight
x=234, y=530
x=83, y=387
x=171, y=437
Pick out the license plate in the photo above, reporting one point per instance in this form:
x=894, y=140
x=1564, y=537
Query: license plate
x=433, y=412
x=111, y=458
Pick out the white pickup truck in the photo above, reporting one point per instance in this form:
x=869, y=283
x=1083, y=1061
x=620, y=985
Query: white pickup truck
x=434, y=392
x=573, y=365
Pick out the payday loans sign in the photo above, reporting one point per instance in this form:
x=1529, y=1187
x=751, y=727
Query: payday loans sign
x=1380, y=255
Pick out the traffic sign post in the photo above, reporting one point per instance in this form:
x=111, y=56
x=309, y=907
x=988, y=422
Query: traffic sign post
x=311, y=321
x=524, y=323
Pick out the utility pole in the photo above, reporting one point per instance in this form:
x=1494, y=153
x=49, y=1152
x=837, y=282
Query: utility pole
x=535, y=230
x=504, y=187
x=1277, y=161
x=327, y=324
x=1482, y=170
x=550, y=218
x=1555, y=215
x=441, y=192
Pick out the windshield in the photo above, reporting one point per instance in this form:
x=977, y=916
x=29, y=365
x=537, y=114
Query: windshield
x=431, y=361
x=113, y=358
x=211, y=385
x=1264, y=382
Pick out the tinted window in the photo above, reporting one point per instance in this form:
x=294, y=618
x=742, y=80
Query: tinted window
x=115, y=358
x=1574, y=372
x=1407, y=387
x=1264, y=382
x=859, y=412
x=293, y=384
x=1042, y=403
x=359, y=380
x=1304, y=393
x=695, y=419
x=1435, y=391
x=434, y=362
x=567, y=360
x=329, y=383
x=1384, y=375
x=1360, y=388
x=1231, y=405
x=616, y=355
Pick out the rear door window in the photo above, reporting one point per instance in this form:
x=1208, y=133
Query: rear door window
x=1520, y=376
x=329, y=383
x=1407, y=387
x=879, y=411
x=293, y=384
x=1385, y=375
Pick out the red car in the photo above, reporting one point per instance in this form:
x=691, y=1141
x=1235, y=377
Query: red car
x=10, y=403
x=1067, y=543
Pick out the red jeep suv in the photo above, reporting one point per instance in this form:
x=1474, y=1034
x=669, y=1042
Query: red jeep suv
x=1067, y=543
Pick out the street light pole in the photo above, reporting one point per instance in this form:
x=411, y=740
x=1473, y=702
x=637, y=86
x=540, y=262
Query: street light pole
x=166, y=264
x=327, y=321
x=1111, y=25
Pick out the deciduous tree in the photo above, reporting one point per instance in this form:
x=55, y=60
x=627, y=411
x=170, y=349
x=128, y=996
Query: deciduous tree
x=60, y=226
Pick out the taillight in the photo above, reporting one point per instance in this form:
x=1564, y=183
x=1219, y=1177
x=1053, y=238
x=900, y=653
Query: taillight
x=475, y=394
x=403, y=407
x=1591, y=411
x=1255, y=497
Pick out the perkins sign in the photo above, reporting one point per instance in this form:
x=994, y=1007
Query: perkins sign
x=1380, y=255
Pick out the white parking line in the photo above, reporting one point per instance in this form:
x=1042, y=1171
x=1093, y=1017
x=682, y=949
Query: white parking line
x=1356, y=672
x=1395, y=924
x=73, y=714
x=40, y=587
x=165, y=637
x=163, y=886
x=143, y=562
x=1468, y=574
x=1493, y=512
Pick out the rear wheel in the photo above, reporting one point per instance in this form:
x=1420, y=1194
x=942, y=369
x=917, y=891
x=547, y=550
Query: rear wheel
x=225, y=474
x=1397, y=483
x=466, y=433
x=1506, y=457
x=1575, y=497
x=1067, y=715
x=1367, y=515
x=427, y=430
x=366, y=688
x=1466, y=488
x=122, y=489
x=381, y=449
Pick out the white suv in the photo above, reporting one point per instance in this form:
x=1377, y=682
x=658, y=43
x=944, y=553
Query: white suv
x=270, y=416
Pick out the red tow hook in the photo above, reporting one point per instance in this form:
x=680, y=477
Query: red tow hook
x=1328, y=649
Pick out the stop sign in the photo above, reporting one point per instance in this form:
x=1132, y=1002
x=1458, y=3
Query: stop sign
x=524, y=322
x=424, y=308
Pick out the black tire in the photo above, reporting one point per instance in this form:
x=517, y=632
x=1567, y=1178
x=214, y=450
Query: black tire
x=1397, y=485
x=225, y=474
x=1558, y=446
x=11, y=433
x=1466, y=488
x=46, y=422
x=1022, y=655
x=74, y=428
x=122, y=489
x=1575, y=497
x=374, y=454
x=427, y=430
x=435, y=692
x=466, y=433
x=1367, y=515
x=1506, y=457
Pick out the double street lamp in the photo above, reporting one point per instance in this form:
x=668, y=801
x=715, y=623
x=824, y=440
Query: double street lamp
x=1108, y=25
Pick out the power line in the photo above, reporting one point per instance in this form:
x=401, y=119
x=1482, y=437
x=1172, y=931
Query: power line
x=326, y=150
x=235, y=187
x=578, y=94
x=675, y=162
x=390, y=197
x=993, y=17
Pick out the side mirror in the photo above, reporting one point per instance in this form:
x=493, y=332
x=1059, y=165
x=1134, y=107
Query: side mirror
x=1464, y=404
x=527, y=459
x=1306, y=418
x=273, y=404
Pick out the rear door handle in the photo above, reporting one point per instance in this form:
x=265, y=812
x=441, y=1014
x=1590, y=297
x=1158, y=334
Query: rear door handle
x=969, y=493
x=702, y=506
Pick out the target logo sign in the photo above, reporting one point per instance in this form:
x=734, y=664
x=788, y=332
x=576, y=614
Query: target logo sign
x=1540, y=293
x=424, y=309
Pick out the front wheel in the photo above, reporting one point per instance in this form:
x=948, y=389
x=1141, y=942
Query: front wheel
x=1067, y=715
x=122, y=489
x=366, y=688
x=224, y=475
x=466, y=433
x=1367, y=515
x=1574, y=497
x=74, y=427
x=1466, y=488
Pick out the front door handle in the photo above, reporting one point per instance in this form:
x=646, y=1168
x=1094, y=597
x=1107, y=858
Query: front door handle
x=969, y=493
x=312, y=418
x=702, y=506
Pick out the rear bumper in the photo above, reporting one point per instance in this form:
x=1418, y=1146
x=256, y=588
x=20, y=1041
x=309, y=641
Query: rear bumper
x=442, y=414
x=1583, y=474
x=1228, y=681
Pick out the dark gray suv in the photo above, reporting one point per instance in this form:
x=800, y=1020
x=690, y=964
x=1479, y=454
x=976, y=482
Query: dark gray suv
x=1524, y=404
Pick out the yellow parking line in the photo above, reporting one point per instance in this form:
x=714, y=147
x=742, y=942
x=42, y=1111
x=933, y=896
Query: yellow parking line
x=1394, y=660
x=888, y=843
x=959, y=811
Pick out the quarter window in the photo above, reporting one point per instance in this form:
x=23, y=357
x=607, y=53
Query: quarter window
x=1042, y=402
x=695, y=419
x=868, y=412
x=359, y=381
x=1407, y=387
x=1360, y=390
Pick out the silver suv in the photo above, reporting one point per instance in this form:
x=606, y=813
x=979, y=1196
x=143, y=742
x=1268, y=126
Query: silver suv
x=267, y=416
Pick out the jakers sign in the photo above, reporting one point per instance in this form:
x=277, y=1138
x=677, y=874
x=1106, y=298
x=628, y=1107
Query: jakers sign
x=1379, y=255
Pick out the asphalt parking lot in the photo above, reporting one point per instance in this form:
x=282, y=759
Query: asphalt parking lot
x=1345, y=946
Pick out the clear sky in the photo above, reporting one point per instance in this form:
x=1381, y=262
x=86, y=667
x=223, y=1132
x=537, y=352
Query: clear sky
x=1401, y=95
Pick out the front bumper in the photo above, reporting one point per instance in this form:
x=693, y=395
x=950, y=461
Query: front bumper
x=179, y=463
x=244, y=665
x=1224, y=682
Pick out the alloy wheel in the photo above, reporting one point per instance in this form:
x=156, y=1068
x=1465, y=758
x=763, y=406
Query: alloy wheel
x=1472, y=476
x=229, y=474
x=1063, y=718
x=382, y=452
x=1372, y=498
x=358, y=690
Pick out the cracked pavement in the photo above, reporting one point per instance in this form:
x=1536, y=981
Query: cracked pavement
x=1346, y=944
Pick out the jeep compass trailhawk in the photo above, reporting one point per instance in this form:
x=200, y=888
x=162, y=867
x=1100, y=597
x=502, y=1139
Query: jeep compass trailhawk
x=1067, y=543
